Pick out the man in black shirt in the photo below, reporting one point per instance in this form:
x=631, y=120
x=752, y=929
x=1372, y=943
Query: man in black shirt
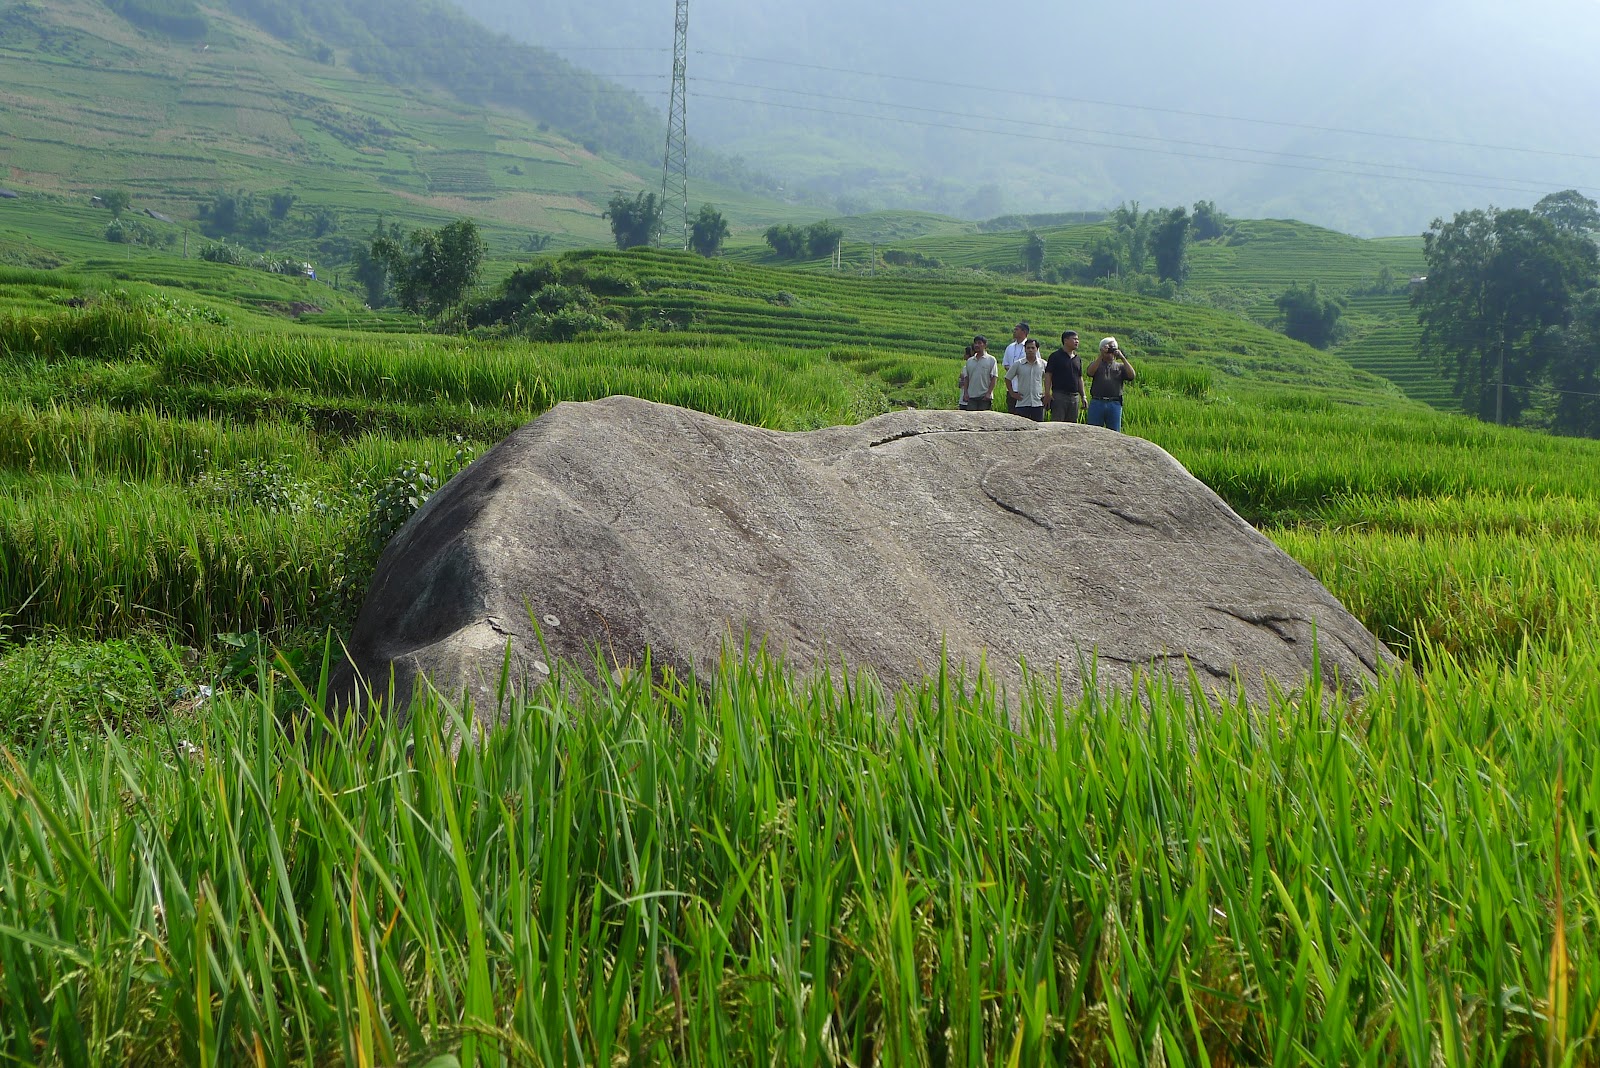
x=1063, y=380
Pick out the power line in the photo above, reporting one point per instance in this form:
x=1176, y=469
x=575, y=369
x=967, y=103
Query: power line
x=1160, y=110
x=1535, y=185
x=1121, y=148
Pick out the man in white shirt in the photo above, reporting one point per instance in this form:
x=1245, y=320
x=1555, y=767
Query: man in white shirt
x=1025, y=383
x=978, y=378
x=1015, y=352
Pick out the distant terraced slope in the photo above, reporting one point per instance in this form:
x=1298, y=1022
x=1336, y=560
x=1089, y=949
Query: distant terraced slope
x=89, y=101
x=1243, y=273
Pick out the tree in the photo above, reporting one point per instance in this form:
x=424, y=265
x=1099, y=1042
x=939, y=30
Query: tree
x=1307, y=315
x=822, y=239
x=792, y=242
x=786, y=240
x=1498, y=283
x=1575, y=369
x=1104, y=259
x=1209, y=223
x=1134, y=231
x=635, y=221
x=433, y=270
x=278, y=204
x=708, y=231
x=116, y=200
x=1570, y=212
x=1033, y=254
x=1169, y=241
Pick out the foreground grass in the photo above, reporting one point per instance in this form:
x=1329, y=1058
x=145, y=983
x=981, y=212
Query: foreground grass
x=765, y=871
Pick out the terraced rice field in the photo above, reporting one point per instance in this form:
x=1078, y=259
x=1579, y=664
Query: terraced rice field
x=754, y=867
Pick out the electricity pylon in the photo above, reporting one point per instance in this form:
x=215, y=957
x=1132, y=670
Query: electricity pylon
x=675, y=168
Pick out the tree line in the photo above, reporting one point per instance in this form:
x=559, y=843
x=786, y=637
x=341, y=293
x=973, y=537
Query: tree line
x=639, y=220
x=1146, y=251
x=1510, y=309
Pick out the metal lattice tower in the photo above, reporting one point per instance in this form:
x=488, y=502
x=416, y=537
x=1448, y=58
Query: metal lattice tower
x=675, y=168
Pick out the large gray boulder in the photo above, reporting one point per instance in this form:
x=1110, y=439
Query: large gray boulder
x=622, y=525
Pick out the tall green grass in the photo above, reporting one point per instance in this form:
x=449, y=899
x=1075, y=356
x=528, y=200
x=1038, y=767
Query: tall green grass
x=119, y=558
x=759, y=870
x=758, y=385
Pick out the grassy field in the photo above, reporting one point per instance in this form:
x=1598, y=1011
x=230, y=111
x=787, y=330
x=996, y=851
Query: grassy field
x=756, y=867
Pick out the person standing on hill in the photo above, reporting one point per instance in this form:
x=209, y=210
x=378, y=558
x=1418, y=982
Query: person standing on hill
x=978, y=377
x=1106, y=374
x=1025, y=383
x=1015, y=352
x=1063, y=381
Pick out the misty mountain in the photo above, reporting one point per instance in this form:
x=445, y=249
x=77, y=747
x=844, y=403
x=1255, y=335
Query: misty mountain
x=1372, y=118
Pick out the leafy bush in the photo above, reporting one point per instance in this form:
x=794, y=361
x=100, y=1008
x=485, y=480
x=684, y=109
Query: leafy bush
x=124, y=231
x=258, y=483
x=60, y=685
x=1306, y=314
x=222, y=252
x=164, y=308
x=391, y=501
x=899, y=257
x=792, y=242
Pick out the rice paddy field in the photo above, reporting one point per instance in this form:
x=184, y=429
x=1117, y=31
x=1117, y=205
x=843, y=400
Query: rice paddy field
x=198, y=866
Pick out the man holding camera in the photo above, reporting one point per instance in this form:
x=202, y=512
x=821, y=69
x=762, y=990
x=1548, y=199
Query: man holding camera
x=1107, y=373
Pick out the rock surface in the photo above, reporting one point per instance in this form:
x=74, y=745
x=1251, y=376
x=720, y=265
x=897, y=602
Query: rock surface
x=625, y=524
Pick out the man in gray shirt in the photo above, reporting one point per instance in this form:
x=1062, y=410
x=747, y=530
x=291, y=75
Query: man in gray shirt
x=1108, y=372
x=978, y=378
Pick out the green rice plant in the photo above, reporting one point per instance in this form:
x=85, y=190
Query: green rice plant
x=100, y=331
x=144, y=444
x=1487, y=593
x=753, y=868
x=110, y=558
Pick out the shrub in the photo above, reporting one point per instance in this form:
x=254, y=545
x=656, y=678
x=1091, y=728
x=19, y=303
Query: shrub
x=60, y=685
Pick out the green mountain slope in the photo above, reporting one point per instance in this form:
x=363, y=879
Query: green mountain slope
x=92, y=100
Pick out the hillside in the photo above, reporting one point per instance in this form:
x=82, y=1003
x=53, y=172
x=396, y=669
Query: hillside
x=1242, y=273
x=892, y=315
x=92, y=101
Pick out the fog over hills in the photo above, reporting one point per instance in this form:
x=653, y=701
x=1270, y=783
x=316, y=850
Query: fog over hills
x=1368, y=117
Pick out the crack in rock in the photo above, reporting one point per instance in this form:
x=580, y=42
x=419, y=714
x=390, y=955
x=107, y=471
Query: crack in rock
x=926, y=430
x=1266, y=619
x=1191, y=661
x=1126, y=517
x=983, y=484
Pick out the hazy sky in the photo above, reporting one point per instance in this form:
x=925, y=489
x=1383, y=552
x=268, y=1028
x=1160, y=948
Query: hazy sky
x=1068, y=106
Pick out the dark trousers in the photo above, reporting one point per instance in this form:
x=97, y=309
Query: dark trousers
x=1034, y=412
x=977, y=404
x=1064, y=407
